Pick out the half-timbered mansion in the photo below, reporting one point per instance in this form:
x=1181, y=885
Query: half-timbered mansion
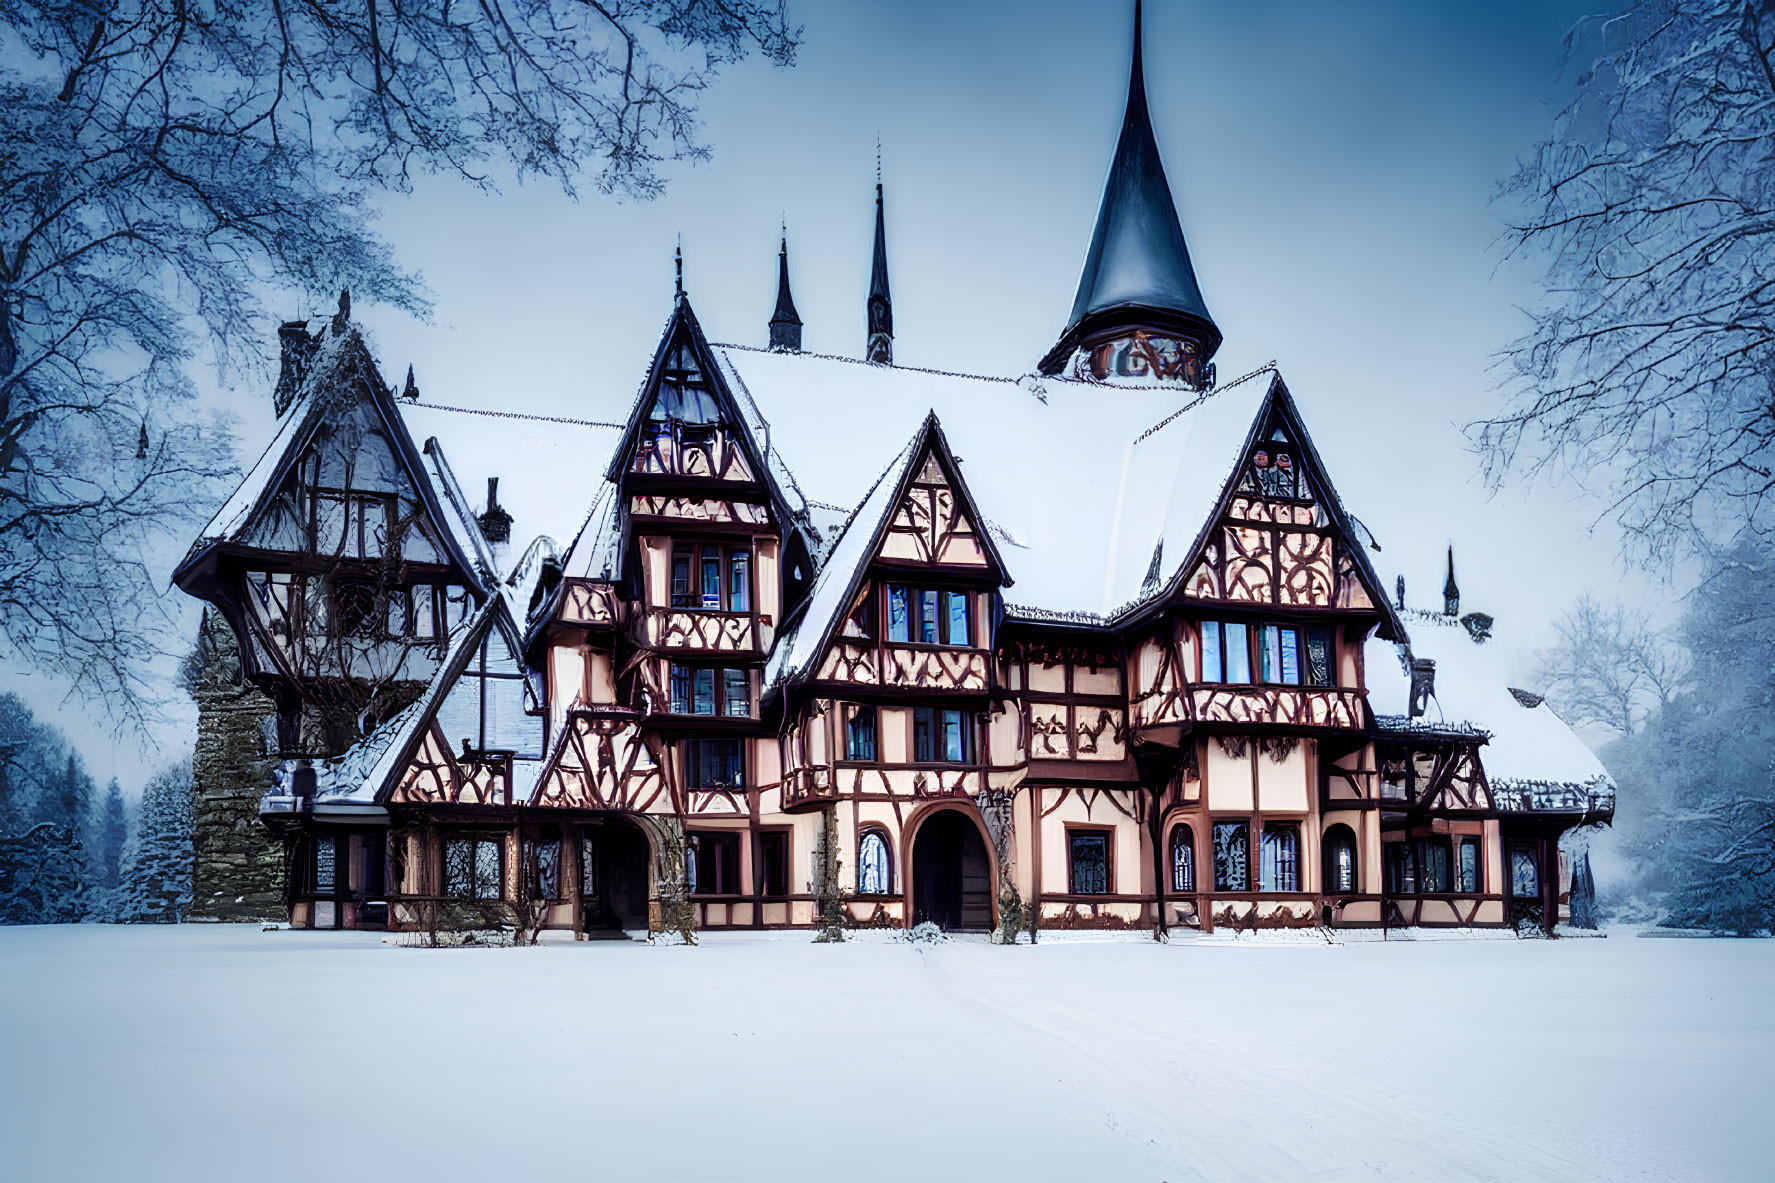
x=817, y=641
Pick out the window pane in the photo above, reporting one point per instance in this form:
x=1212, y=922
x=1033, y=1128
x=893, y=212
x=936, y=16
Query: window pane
x=899, y=613
x=681, y=580
x=1290, y=666
x=1525, y=882
x=702, y=699
x=1269, y=642
x=326, y=859
x=773, y=851
x=739, y=584
x=1319, y=658
x=1232, y=854
x=955, y=748
x=1281, y=851
x=487, y=876
x=1401, y=871
x=680, y=690
x=715, y=764
x=737, y=693
x=1469, y=865
x=1090, y=864
x=927, y=617
x=711, y=577
x=1211, y=666
x=921, y=734
x=872, y=865
x=1343, y=867
x=588, y=862
x=1238, y=654
x=693, y=859
x=958, y=618
x=459, y=868
x=860, y=740
x=1432, y=865
x=548, y=869
x=1183, y=859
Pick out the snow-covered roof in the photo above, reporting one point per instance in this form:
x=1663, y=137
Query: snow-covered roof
x=1531, y=750
x=1081, y=544
x=799, y=646
x=548, y=468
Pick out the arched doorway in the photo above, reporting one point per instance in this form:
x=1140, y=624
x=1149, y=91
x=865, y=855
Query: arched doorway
x=613, y=856
x=951, y=874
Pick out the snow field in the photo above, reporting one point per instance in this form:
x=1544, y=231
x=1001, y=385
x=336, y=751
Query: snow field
x=222, y=1052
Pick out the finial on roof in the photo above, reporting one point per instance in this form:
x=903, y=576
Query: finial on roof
x=678, y=270
x=785, y=324
x=411, y=390
x=1138, y=303
x=881, y=306
x=1451, y=592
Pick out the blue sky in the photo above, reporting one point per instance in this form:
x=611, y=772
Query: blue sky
x=1333, y=166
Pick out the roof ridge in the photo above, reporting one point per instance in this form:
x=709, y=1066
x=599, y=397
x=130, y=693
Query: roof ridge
x=509, y=414
x=1267, y=367
x=857, y=361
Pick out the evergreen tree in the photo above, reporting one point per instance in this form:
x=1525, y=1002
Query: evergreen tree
x=112, y=826
x=156, y=872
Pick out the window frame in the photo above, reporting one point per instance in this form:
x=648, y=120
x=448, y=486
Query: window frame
x=1221, y=649
x=1295, y=638
x=692, y=557
x=880, y=834
x=858, y=713
x=1330, y=842
x=693, y=762
x=940, y=604
x=1464, y=843
x=1215, y=826
x=696, y=842
x=935, y=720
x=1105, y=834
x=477, y=839
x=761, y=863
x=683, y=688
x=1279, y=829
x=1183, y=838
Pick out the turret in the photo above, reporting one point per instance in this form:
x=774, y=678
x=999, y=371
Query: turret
x=785, y=325
x=1139, y=313
x=881, y=306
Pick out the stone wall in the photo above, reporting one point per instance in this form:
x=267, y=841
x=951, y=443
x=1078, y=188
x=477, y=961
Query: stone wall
x=238, y=874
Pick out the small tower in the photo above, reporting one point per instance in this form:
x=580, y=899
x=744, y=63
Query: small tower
x=1451, y=591
x=1139, y=313
x=881, y=307
x=785, y=325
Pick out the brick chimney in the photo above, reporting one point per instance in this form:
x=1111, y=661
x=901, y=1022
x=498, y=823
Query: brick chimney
x=496, y=524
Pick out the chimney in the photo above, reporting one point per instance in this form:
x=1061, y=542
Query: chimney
x=296, y=350
x=496, y=524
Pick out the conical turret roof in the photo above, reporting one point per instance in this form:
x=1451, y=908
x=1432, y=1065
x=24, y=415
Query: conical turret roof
x=1138, y=270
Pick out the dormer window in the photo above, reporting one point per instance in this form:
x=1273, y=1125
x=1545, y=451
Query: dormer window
x=928, y=616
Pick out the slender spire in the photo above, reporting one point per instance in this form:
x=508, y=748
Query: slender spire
x=1137, y=273
x=785, y=324
x=678, y=269
x=881, y=305
x=1451, y=592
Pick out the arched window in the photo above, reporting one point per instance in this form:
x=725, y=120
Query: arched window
x=1183, y=859
x=1340, y=859
x=874, y=871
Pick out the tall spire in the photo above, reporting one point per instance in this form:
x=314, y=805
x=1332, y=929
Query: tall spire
x=1138, y=279
x=785, y=325
x=1451, y=591
x=678, y=271
x=881, y=305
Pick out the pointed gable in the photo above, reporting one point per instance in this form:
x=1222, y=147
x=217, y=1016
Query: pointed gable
x=919, y=512
x=1273, y=530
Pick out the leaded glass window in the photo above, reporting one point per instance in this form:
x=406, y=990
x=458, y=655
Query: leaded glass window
x=1281, y=859
x=1469, y=865
x=1090, y=863
x=1183, y=859
x=326, y=861
x=1232, y=856
x=1318, y=658
x=1281, y=657
x=1433, y=865
x=873, y=875
x=1525, y=876
x=1340, y=859
x=711, y=583
x=473, y=868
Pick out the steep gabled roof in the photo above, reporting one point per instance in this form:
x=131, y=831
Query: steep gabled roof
x=1138, y=269
x=841, y=577
x=342, y=367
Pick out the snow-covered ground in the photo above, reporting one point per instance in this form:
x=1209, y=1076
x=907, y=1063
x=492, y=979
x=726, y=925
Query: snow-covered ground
x=223, y=1052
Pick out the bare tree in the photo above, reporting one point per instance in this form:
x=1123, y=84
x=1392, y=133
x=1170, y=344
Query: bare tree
x=1647, y=372
x=1610, y=667
x=162, y=161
